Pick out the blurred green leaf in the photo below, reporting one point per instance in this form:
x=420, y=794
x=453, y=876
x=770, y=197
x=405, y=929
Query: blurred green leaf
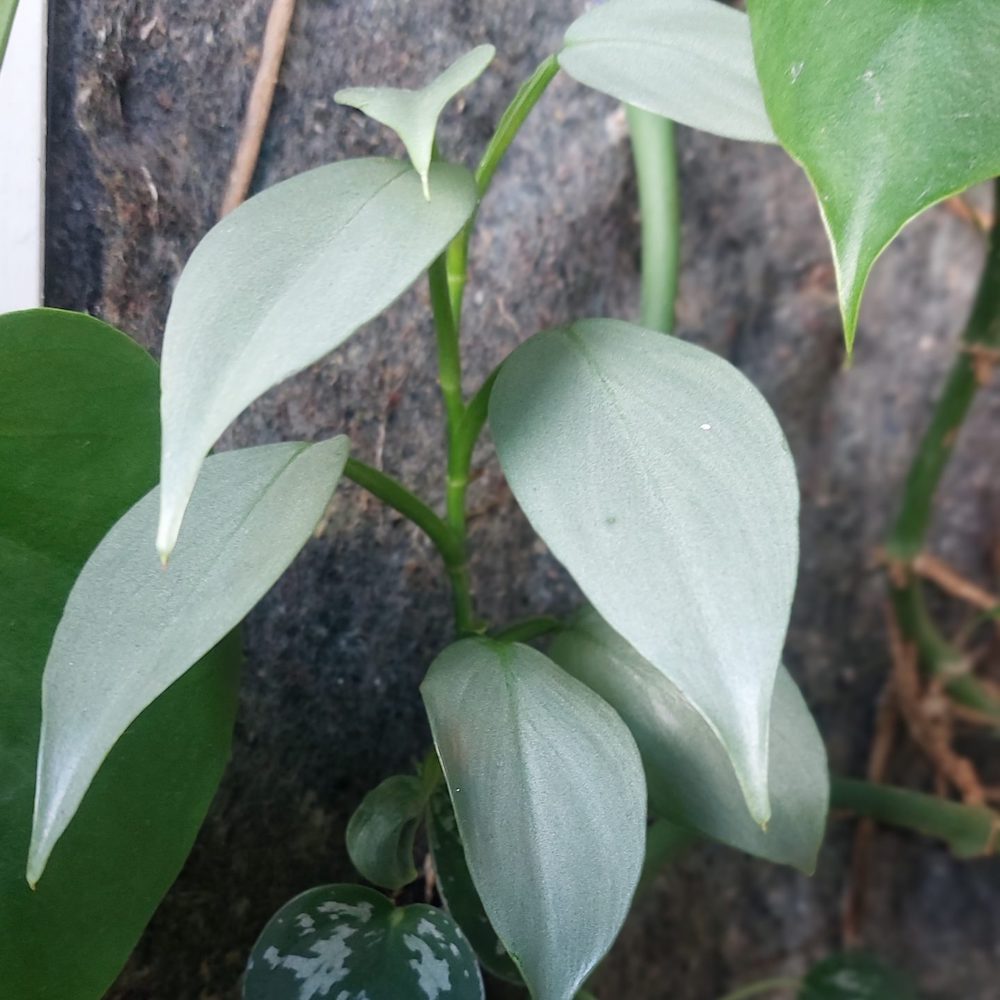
x=131, y=627
x=855, y=977
x=658, y=475
x=380, y=834
x=79, y=443
x=349, y=942
x=548, y=792
x=889, y=105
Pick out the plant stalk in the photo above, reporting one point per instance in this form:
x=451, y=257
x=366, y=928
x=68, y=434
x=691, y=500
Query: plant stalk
x=908, y=536
x=510, y=123
x=654, y=149
x=528, y=629
x=969, y=831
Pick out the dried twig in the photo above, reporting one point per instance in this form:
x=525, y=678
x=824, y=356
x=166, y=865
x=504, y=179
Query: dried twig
x=952, y=582
x=259, y=106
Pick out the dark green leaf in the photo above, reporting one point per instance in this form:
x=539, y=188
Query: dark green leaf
x=550, y=800
x=381, y=831
x=349, y=943
x=855, y=977
x=458, y=891
x=131, y=627
x=658, y=475
x=890, y=105
x=79, y=442
x=689, y=777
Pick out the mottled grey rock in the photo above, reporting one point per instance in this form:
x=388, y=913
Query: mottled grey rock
x=146, y=102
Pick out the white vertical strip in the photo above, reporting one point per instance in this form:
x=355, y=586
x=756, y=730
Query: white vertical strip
x=22, y=159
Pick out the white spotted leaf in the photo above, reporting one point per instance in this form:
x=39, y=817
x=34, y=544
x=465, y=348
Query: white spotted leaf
x=549, y=795
x=131, y=627
x=658, y=475
x=347, y=942
x=689, y=60
x=413, y=114
x=279, y=283
x=690, y=779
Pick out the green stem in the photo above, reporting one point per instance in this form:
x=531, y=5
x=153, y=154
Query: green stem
x=909, y=532
x=393, y=494
x=528, y=629
x=510, y=123
x=969, y=831
x=6, y=23
x=654, y=148
x=764, y=986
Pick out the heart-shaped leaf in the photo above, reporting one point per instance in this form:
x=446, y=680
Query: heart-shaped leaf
x=380, y=834
x=458, y=891
x=689, y=60
x=131, y=628
x=413, y=114
x=349, y=943
x=282, y=281
x=660, y=478
x=79, y=443
x=855, y=977
x=889, y=105
x=690, y=779
x=549, y=795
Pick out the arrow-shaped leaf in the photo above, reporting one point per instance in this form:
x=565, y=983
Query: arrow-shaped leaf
x=413, y=114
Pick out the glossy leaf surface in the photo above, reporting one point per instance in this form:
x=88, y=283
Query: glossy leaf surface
x=690, y=779
x=282, y=281
x=550, y=800
x=79, y=443
x=689, y=60
x=458, y=891
x=131, y=628
x=658, y=475
x=380, y=834
x=855, y=977
x=349, y=943
x=413, y=114
x=890, y=106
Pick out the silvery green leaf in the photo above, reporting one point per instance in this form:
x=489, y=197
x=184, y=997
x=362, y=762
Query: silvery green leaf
x=282, y=281
x=690, y=779
x=689, y=60
x=380, y=834
x=131, y=628
x=346, y=942
x=413, y=114
x=549, y=795
x=658, y=475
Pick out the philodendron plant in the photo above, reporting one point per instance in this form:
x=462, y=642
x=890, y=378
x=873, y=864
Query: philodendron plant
x=653, y=470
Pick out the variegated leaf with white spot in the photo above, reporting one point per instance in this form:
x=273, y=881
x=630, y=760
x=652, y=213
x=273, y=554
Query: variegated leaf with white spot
x=347, y=942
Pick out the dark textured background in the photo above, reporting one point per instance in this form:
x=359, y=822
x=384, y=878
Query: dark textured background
x=146, y=102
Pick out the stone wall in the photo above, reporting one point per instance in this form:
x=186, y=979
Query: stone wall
x=146, y=102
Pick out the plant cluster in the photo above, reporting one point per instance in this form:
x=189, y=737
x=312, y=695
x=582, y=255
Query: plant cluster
x=652, y=469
